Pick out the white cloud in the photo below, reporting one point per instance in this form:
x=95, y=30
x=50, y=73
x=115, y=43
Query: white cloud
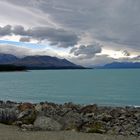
x=97, y=60
x=25, y=51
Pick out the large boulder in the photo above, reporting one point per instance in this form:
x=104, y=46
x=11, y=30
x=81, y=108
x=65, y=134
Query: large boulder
x=46, y=123
x=26, y=106
x=27, y=113
x=8, y=115
x=89, y=109
x=27, y=116
x=71, y=120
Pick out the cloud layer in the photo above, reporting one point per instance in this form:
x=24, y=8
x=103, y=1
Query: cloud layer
x=58, y=37
x=76, y=24
x=110, y=21
x=86, y=52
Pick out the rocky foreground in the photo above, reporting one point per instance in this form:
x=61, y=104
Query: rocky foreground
x=69, y=116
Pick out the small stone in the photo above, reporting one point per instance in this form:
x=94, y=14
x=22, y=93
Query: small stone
x=24, y=129
x=27, y=127
x=137, y=115
x=90, y=115
x=134, y=133
x=106, y=118
x=122, y=117
x=138, y=130
x=38, y=107
x=18, y=123
x=116, y=129
x=100, y=131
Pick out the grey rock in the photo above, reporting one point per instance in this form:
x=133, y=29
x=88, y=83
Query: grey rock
x=69, y=116
x=23, y=114
x=71, y=120
x=89, y=109
x=90, y=115
x=106, y=118
x=134, y=133
x=122, y=117
x=46, y=123
x=38, y=107
x=137, y=115
x=18, y=123
x=116, y=129
x=27, y=116
x=8, y=115
x=128, y=127
x=138, y=130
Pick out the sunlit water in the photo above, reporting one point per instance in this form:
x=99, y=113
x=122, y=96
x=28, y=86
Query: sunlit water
x=104, y=87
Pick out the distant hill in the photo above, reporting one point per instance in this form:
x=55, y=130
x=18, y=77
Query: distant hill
x=119, y=65
x=39, y=62
x=7, y=58
x=45, y=62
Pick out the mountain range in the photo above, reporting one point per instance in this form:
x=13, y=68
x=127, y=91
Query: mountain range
x=7, y=58
x=120, y=65
x=49, y=62
x=38, y=62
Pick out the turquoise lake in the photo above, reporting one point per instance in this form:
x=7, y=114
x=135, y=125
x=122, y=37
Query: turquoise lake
x=105, y=87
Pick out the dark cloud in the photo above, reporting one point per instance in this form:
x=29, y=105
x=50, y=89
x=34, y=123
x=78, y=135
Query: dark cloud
x=24, y=39
x=19, y=30
x=109, y=21
x=9, y=30
x=86, y=52
x=6, y=30
x=59, y=37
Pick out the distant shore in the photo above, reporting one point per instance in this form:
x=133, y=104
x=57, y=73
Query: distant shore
x=9, y=68
x=73, y=117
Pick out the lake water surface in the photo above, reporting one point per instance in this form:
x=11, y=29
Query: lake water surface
x=104, y=87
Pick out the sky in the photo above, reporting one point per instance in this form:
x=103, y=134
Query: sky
x=86, y=32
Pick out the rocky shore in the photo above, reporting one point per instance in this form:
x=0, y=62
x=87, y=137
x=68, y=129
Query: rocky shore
x=82, y=118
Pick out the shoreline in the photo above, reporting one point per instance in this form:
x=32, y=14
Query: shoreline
x=91, y=118
x=61, y=103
